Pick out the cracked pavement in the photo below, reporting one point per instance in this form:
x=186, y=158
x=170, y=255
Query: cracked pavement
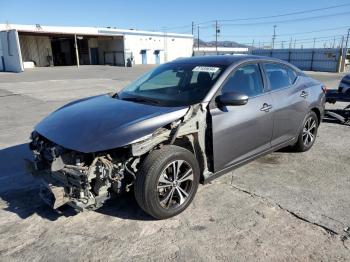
x=283, y=206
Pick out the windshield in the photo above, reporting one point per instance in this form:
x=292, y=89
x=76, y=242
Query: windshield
x=173, y=85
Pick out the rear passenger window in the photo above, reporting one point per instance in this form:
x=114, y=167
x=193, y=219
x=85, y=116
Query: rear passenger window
x=246, y=80
x=292, y=75
x=277, y=75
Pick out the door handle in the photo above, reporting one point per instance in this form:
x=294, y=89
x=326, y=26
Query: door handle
x=266, y=107
x=304, y=94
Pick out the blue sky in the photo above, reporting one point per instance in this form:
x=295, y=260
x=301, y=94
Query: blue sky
x=177, y=16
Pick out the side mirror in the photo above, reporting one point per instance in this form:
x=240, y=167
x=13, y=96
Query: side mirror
x=232, y=99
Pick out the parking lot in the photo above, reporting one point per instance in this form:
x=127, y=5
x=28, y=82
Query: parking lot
x=283, y=206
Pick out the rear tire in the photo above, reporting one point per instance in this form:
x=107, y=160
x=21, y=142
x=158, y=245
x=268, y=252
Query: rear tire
x=167, y=181
x=307, y=135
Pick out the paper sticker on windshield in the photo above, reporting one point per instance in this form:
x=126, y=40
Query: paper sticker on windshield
x=208, y=69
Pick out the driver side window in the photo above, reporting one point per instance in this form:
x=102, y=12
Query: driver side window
x=246, y=80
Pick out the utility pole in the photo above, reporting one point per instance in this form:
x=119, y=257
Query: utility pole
x=198, y=39
x=347, y=39
x=274, y=36
x=341, y=42
x=282, y=44
x=344, y=52
x=314, y=43
x=290, y=43
x=216, y=36
x=333, y=42
x=193, y=37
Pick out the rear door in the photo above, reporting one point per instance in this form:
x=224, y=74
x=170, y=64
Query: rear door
x=240, y=132
x=288, y=99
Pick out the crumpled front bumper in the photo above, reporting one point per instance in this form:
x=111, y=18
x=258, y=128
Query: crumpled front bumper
x=52, y=191
x=54, y=196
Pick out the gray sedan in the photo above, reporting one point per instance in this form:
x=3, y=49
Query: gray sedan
x=184, y=123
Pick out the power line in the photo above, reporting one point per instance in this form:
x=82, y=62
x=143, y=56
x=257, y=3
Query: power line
x=258, y=18
x=290, y=20
x=290, y=34
x=286, y=14
x=300, y=41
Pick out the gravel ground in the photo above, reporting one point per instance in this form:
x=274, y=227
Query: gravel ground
x=282, y=206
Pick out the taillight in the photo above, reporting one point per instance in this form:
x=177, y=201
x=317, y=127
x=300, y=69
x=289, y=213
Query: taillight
x=324, y=89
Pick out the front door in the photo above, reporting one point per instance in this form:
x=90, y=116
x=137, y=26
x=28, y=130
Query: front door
x=240, y=132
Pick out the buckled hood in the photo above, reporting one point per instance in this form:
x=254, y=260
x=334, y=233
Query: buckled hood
x=103, y=122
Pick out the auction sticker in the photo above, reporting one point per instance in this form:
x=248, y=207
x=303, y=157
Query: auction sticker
x=207, y=69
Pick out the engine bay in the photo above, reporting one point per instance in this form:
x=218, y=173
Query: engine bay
x=84, y=181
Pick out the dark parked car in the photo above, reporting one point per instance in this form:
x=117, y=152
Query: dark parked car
x=344, y=85
x=185, y=122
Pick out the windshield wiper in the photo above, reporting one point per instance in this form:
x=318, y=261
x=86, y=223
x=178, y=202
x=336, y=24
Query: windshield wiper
x=140, y=100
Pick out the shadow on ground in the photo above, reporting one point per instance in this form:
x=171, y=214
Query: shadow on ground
x=19, y=192
x=342, y=113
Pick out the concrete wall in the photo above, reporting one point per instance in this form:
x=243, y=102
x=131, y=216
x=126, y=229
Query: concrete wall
x=36, y=48
x=11, y=51
x=178, y=47
x=169, y=48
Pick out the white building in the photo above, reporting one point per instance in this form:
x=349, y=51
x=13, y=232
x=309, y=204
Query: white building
x=23, y=46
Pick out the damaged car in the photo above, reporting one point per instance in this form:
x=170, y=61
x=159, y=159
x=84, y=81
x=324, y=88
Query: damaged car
x=183, y=123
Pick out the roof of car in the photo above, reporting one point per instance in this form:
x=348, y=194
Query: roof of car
x=223, y=59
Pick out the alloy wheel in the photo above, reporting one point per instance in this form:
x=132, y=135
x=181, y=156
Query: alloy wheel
x=175, y=184
x=309, y=131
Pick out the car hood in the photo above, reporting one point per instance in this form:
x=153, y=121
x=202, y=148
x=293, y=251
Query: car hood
x=103, y=122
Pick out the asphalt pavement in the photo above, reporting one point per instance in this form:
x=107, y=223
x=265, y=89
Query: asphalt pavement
x=284, y=206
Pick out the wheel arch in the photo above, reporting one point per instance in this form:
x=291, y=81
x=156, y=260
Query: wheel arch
x=318, y=114
x=188, y=142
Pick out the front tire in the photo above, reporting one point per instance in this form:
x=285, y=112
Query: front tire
x=167, y=181
x=308, y=134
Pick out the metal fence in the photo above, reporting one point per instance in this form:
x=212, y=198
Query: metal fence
x=320, y=59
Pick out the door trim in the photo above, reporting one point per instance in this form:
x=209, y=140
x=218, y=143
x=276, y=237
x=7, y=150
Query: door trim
x=217, y=174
